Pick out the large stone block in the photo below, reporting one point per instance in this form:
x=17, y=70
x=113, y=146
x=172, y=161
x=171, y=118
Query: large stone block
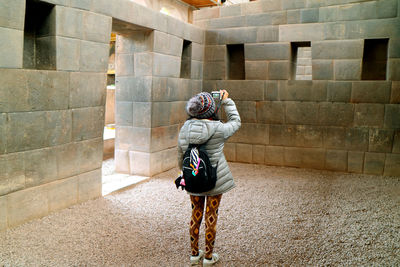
x=87, y=89
x=67, y=157
x=339, y=91
x=271, y=90
x=294, y=90
x=11, y=58
x=237, y=35
x=243, y=90
x=270, y=112
x=40, y=167
x=282, y=135
x=334, y=137
x=347, y=69
x=260, y=7
x=198, y=51
x=267, y=34
x=392, y=116
x=355, y=161
x=343, y=49
x=247, y=111
x=357, y=139
x=143, y=64
x=380, y=140
x=304, y=157
x=278, y=70
x=322, y=69
x=336, y=114
x=336, y=160
x=3, y=213
x=349, y=12
x=392, y=165
x=124, y=113
x=211, y=37
x=89, y=185
x=274, y=155
x=12, y=14
x=68, y=22
x=374, y=163
x=369, y=115
x=26, y=131
x=252, y=133
x=67, y=53
x=293, y=16
x=197, y=34
x=90, y=154
x=395, y=93
x=161, y=113
x=215, y=53
x=269, y=51
x=28, y=204
x=136, y=89
x=230, y=11
x=140, y=163
x=134, y=42
x=309, y=15
x=386, y=9
x=141, y=114
x=293, y=4
x=229, y=22
x=45, y=90
x=394, y=48
x=94, y=56
x=166, y=66
x=371, y=92
x=87, y=123
x=270, y=18
x=3, y=118
x=394, y=69
x=258, y=154
x=96, y=27
x=256, y=70
x=122, y=161
x=63, y=193
x=164, y=137
x=328, y=14
x=196, y=71
x=244, y=153
x=302, y=113
x=230, y=151
x=133, y=138
x=206, y=13
x=12, y=177
x=81, y=4
x=58, y=127
x=308, y=136
x=301, y=32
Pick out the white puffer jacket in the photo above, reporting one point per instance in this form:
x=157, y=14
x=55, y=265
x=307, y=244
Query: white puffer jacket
x=199, y=131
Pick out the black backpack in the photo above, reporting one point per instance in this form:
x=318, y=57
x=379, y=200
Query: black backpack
x=201, y=177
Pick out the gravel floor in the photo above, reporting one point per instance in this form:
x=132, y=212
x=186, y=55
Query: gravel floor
x=275, y=216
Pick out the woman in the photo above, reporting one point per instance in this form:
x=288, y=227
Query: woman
x=204, y=125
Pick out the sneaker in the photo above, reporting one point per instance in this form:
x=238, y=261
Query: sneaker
x=194, y=260
x=214, y=259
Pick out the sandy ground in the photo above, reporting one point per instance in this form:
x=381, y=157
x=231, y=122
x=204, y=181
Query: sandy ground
x=275, y=216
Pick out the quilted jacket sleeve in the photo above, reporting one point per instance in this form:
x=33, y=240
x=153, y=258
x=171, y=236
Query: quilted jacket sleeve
x=180, y=154
x=233, y=124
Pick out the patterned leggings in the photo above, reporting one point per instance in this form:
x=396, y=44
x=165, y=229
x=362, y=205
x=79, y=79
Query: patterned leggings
x=211, y=222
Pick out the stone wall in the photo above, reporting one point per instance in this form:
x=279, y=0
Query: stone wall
x=336, y=121
x=52, y=98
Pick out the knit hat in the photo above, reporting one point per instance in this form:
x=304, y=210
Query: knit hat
x=201, y=106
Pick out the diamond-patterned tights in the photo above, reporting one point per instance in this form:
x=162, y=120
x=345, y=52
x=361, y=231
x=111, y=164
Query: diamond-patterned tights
x=211, y=222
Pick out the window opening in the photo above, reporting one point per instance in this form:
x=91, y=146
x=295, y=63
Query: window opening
x=374, y=59
x=186, y=59
x=235, y=62
x=39, y=36
x=301, y=66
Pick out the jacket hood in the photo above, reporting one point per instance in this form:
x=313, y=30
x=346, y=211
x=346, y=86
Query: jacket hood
x=199, y=131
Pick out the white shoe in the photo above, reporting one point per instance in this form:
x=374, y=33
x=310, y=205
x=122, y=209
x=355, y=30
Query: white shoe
x=194, y=260
x=214, y=259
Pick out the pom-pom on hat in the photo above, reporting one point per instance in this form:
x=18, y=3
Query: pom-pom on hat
x=201, y=106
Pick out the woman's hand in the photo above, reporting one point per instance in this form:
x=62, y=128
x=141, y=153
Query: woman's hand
x=224, y=94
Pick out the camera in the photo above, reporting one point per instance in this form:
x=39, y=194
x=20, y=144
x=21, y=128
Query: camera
x=216, y=95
